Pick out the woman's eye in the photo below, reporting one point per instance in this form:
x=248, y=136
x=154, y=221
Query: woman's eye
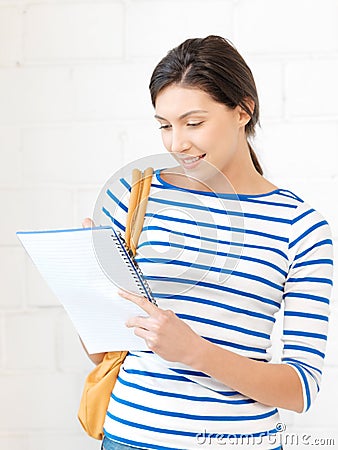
x=194, y=124
x=164, y=127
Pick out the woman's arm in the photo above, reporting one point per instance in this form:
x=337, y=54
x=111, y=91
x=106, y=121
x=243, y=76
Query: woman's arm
x=96, y=358
x=272, y=384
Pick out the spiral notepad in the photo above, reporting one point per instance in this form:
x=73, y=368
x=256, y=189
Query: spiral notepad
x=84, y=268
x=134, y=270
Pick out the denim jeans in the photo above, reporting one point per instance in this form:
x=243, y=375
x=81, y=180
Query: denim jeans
x=108, y=444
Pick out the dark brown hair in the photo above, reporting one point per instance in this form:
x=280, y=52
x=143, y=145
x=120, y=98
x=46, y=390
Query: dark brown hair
x=215, y=66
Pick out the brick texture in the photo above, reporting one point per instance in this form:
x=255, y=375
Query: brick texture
x=75, y=107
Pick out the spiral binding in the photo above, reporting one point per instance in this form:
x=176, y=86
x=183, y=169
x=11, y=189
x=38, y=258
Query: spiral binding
x=128, y=257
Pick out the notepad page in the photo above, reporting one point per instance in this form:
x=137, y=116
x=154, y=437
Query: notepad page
x=78, y=273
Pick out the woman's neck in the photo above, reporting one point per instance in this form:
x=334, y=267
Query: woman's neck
x=243, y=175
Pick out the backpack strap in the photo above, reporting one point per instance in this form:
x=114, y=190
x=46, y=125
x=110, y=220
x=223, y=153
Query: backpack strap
x=137, y=206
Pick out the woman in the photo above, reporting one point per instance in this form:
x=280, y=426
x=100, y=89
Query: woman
x=220, y=265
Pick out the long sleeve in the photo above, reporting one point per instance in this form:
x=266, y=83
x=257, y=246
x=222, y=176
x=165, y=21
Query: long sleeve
x=306, y=296
x=114, y=204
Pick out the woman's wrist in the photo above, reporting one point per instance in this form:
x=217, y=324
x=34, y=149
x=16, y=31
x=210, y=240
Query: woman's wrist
x=197, y=354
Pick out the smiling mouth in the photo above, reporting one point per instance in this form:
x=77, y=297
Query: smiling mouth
x=191, y=160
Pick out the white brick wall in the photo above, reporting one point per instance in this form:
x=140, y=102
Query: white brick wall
x=310, y=87
x=294, y=28
x=10, y=35
x=36, y=94
x=154, y=26
x=75, y=107
x=73, y=31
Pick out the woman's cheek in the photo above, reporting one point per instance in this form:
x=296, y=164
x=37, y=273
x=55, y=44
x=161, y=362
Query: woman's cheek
x=166, y=142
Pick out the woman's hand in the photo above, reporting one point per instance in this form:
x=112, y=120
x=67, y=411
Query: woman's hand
x=164, y=333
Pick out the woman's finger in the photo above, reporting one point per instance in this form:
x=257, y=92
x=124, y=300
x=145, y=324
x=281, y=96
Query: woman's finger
x=142, y=302
x=88, y=223
x=144, y=334
x=139, y=322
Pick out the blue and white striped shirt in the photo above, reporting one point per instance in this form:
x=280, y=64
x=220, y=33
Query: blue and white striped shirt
x=224, y=264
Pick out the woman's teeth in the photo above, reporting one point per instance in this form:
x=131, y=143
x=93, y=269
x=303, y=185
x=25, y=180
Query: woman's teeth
x=192, y=160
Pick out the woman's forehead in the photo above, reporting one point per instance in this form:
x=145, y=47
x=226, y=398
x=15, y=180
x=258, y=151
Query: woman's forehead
x=178, y=100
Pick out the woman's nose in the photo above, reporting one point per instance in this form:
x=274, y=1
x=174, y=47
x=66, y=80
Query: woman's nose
x=179, y=143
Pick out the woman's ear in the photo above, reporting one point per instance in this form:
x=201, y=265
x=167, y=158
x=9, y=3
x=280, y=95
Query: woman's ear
x=244, y=116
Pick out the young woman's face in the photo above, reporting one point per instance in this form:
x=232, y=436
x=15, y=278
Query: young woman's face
x=198, y=130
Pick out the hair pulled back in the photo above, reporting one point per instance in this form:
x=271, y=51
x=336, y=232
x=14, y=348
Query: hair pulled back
x=213, y=65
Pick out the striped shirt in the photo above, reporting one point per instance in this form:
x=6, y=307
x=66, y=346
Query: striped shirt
x=225, y=264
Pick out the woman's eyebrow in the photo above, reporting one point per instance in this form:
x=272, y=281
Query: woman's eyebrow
x=194, y=111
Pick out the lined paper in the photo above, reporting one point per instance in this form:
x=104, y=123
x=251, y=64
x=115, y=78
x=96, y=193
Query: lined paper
x=84, y=269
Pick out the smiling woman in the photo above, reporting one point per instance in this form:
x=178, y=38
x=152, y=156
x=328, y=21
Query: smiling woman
x=214, y=66
x=222, y=249
x=211, y=132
